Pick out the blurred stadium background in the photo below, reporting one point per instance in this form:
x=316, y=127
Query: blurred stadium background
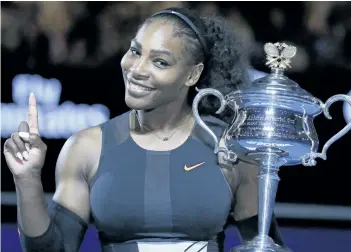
x=68, y=54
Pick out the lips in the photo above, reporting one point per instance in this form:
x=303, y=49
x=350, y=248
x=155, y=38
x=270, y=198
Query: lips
x=137, y=90
x=133, y=82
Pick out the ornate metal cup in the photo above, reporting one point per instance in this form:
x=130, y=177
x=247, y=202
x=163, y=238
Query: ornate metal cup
x=273, y=120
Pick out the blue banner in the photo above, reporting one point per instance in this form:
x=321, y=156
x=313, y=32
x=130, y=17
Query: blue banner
x=298, y=239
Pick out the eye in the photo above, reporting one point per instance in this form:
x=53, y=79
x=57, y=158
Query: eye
x=134, y=51
x=161, y=63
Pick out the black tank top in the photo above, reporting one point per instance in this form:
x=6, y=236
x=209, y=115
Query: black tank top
x=139, y=195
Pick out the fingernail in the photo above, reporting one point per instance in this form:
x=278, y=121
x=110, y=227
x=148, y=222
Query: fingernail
x=19, y=155
x=27, y=146
x=31, y=94
x=25, y=155
x=24, y=135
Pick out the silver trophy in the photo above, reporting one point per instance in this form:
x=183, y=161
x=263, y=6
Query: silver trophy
x=273, y=120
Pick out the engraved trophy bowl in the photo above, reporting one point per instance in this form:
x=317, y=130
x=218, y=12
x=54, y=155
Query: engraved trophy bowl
x=273, y=121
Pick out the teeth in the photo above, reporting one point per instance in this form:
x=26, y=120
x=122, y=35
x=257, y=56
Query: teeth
x=137, y=87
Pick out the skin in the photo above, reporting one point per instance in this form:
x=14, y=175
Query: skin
x=167, y=71
x=161, y=110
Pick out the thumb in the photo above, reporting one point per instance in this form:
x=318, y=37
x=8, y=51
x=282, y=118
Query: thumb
x=33, y=139
x=23, y=127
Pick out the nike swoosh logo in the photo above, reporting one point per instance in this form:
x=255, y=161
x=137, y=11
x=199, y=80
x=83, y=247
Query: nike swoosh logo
x=192, y=167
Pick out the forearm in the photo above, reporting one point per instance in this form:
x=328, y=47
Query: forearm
x=32, y=211
x=60, y=229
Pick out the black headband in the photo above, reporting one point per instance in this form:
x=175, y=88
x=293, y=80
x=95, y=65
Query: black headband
x=190, y=23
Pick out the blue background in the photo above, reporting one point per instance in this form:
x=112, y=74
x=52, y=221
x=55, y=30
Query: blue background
x=298, y=239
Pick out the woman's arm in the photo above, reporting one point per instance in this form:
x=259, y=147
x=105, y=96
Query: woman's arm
x=243, y=180
x=67, y=216
x=248, y=229
x=246, y=207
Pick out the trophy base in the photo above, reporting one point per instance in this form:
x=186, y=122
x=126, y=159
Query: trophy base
x=260, y=244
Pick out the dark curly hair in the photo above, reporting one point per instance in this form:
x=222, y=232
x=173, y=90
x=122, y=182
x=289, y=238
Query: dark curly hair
x=225, y=62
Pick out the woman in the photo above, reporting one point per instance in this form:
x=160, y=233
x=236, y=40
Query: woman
x=149, y=177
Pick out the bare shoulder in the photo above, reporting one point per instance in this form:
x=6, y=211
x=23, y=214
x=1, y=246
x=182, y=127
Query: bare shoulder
x=76, y=161
x=244, y=169
x=88, y=136
x=80, y=152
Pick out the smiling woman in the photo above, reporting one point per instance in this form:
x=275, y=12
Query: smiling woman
x=149, y=177
x=155, y=70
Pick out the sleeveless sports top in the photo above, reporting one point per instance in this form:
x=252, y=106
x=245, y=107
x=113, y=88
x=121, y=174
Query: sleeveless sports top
x=141, y=196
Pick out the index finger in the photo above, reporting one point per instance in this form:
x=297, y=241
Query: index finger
x=33, y=115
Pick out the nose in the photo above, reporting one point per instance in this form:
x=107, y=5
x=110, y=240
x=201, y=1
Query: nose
x=139, y=70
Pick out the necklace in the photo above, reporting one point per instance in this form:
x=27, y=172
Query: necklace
x=161, y=138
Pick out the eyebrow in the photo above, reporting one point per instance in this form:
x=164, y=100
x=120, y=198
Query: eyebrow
x=153, y=51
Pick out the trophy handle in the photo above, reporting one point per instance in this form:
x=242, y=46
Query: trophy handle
x=202, y=93
x=309, y=159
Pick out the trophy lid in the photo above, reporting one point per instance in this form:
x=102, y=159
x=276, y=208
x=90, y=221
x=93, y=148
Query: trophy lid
x=277, y=86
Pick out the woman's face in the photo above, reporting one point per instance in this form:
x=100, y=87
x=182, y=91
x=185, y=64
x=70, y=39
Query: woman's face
x=155, y=70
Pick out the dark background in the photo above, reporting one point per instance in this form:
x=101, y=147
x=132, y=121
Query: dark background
x=84, y=54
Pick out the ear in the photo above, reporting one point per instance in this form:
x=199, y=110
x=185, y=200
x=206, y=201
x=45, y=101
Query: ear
x=194, y=75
